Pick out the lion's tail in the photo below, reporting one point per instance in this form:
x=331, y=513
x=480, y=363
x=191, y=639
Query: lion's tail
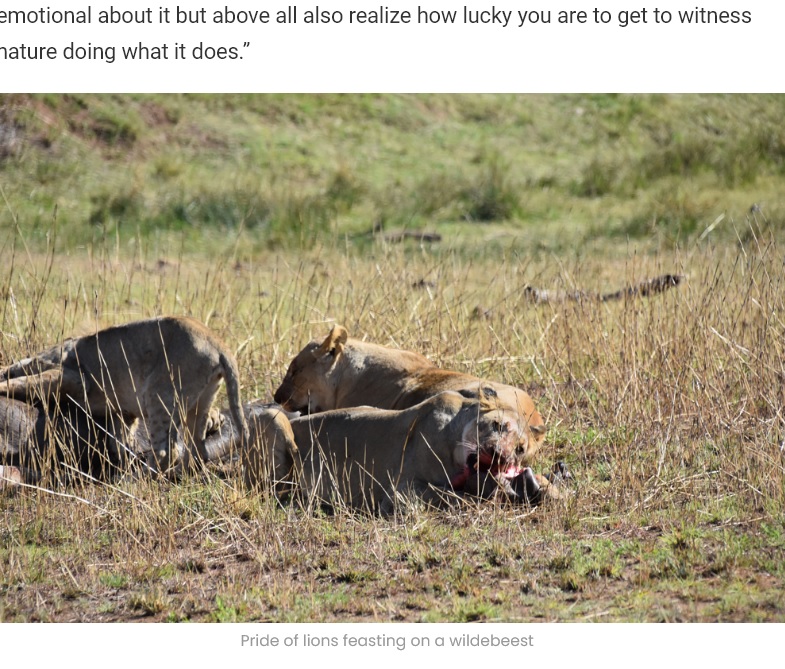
x=232, y=380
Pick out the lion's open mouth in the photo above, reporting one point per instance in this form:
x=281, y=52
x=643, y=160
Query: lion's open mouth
x=485, y=461
x=488, y=461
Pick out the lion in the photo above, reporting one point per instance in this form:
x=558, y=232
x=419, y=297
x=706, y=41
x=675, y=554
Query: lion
x=163, y=371
x=340, y=372
x=369, y=458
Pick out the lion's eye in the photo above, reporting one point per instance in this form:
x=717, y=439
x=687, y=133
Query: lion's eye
x=498, y=426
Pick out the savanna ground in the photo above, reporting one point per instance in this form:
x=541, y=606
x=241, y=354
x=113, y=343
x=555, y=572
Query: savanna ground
x=266, y=217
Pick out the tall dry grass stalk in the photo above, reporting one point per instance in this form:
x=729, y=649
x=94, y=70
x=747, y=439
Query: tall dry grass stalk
x=667, y=410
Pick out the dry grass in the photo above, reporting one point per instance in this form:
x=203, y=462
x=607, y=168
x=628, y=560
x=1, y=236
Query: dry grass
x=668, y=411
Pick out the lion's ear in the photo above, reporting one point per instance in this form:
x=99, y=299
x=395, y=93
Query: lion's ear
x=333, y=344
x=538, y=430
x=488, y=399
x=339, y=334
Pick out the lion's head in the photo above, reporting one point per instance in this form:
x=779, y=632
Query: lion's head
x=311, y=381
x=497, y=440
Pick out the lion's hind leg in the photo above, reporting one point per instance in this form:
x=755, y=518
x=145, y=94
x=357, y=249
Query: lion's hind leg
x=199, y=418
x=162, y=416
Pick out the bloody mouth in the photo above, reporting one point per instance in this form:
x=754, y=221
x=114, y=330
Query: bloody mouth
x=484, y=461
x=488, y=462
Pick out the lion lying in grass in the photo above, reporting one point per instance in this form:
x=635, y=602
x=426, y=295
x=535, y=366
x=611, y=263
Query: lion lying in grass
x=367, y=458
x=163, y=371
x=340, y=372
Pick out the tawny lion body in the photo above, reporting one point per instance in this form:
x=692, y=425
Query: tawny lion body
x=368, y=458
x=340, y=372
x=163, y=371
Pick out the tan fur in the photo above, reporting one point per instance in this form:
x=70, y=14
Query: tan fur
x=164, y=371
x=271, y=453
x=341, y=372
x=367, y=458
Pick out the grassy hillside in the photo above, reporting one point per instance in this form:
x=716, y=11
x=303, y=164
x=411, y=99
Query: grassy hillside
x=658, y=171
x=256, y=214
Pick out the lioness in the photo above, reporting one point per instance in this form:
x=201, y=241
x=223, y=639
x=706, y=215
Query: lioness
x=164, y=371
x=366, y=458
x=341, y=372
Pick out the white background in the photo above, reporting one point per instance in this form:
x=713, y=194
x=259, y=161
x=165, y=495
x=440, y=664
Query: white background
x=211, y=645
x=416, y=57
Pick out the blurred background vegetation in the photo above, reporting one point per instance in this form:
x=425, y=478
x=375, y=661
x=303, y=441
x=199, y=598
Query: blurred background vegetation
x=535, y=173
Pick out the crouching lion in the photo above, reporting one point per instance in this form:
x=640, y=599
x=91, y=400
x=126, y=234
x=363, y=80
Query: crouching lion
x=368, y=458
x=341, y=372
x=164, y=371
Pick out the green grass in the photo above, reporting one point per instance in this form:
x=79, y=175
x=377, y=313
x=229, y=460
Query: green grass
x=653, y=171
x=254, y=214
